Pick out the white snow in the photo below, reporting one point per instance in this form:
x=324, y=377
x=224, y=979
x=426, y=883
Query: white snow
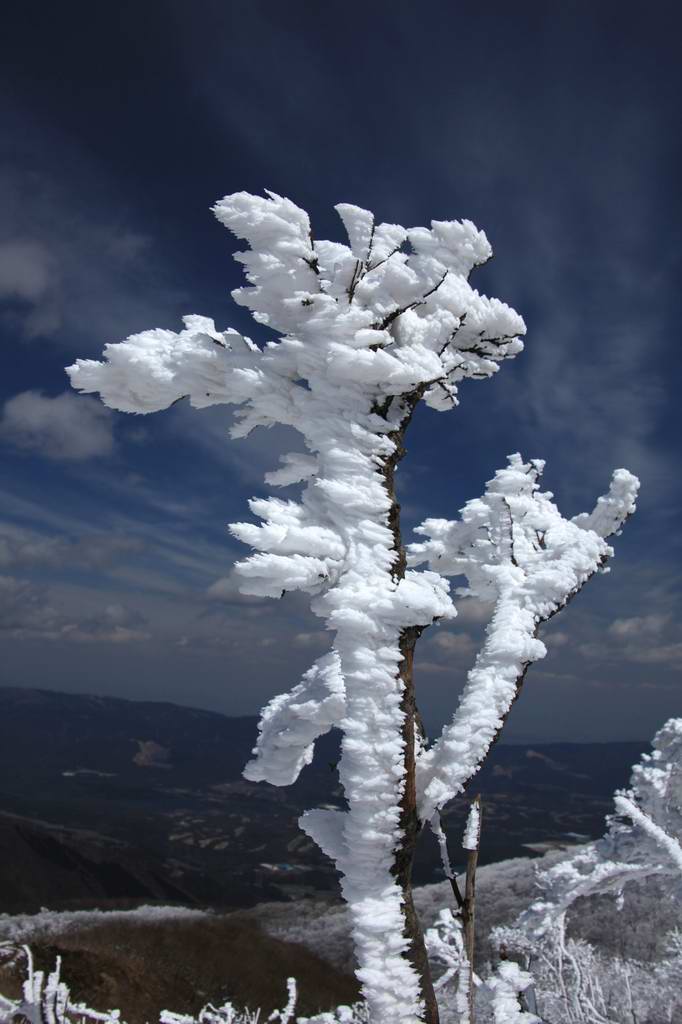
x=508, y=982
x=25, y=928
x=292, y=722
x=472, y=830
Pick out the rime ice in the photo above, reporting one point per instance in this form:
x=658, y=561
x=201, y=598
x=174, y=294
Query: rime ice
x=515, y=549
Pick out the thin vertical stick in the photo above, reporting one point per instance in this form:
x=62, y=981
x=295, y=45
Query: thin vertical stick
x=472, y=840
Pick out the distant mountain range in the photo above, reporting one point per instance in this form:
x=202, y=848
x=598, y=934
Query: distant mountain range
x=107, y=802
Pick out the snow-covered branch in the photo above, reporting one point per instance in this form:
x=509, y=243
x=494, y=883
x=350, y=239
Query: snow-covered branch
x=292, y=722
x=517, y=550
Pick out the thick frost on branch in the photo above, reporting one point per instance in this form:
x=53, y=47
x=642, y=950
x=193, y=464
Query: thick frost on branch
x=292, y=722
x=472, y=830
x=643, y=839
x=516, y=549
x=612, y=509
x=369, y=315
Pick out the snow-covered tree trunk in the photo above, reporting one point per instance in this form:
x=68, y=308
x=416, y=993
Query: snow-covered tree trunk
x=375, y=640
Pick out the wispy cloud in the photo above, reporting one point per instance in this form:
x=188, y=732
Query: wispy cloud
x=75, y=267
x=62, y=427
x=28, y=611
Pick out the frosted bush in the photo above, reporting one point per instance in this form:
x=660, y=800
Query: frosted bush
x=575, y=981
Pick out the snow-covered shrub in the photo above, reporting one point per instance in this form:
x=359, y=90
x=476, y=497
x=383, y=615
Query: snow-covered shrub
x=366, y=331
x=575, y=980
x=642, y=841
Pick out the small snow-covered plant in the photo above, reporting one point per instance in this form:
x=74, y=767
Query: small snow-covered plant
x=226, y=1013
x=355, y=1014
x=507, y=986
x=446, y=946
x=46, y=999
x=366, y=331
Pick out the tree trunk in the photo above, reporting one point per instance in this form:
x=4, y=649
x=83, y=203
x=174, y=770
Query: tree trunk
x=410, y=827
x=410, y=823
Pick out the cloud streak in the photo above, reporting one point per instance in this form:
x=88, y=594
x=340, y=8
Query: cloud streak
x=61, y=427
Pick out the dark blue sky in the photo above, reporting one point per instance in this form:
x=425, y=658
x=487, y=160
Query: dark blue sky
x=554, y=127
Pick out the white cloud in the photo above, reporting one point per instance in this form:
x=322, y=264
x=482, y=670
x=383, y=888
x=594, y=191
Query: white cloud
x=668, y=655
x=431, y=667
x=65, y=427
x=453, y=643
x=226, y=590
x=652, y=639
x=72, y=270
x=25, y=609
x=115, y=624
x=316, y=639
x=28, y=612
x=22, y=547
x=473, y=611
x=556, y=638
x=640, y=625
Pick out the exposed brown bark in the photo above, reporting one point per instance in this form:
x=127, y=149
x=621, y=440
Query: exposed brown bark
x=410, y=824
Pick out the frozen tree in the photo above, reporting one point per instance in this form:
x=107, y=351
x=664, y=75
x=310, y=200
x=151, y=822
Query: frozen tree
x=365, y=332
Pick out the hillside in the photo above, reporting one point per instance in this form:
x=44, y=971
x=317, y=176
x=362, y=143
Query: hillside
x=158, y=958
x=154, y=958
x=123, y=802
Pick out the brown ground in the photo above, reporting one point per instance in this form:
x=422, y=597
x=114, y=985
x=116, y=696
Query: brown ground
x=143, y=968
